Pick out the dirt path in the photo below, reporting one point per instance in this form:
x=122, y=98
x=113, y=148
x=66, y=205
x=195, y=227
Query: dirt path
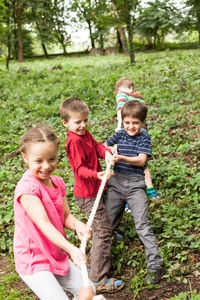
x=167, y=289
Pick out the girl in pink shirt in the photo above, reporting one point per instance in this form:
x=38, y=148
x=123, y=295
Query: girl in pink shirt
x=41, y=213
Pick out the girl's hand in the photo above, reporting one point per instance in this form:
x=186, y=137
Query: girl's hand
x=77, y=257
x=86, y=293
x=83, y=230
x=101, y=174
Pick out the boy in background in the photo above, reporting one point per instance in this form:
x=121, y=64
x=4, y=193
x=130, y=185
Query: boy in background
x=128, y=184
x=83, y=152
x=125, y=92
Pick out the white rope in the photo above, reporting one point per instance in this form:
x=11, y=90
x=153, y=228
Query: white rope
x=89, y=223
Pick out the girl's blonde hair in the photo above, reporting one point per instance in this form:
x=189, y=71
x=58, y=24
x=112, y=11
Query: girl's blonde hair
x=39, y=134
x=124, y=82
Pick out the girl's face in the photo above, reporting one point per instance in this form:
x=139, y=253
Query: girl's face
x=41, y=159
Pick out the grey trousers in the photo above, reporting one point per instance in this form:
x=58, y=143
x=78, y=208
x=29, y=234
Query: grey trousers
x=131, y=189
x=101, y=244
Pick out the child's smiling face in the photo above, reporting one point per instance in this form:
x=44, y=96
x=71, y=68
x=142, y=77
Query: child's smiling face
x=41, y=158
x=132, y=125
x=77, y=123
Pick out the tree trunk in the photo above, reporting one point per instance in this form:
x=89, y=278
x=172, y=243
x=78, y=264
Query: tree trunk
x=19, y=31
x=91, y=35
x=131, y=47
x=8, y=34
x=61, y=40
x=130, y=33
x=198, y=28
x=15, y=54
x=119, y=41
x=42, y=43
x=121, y=31
x=45, y=50
x=101, y=40
x=64, y=49
x=155, y=37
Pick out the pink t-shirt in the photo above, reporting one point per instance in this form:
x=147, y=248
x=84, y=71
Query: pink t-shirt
x=33, y=252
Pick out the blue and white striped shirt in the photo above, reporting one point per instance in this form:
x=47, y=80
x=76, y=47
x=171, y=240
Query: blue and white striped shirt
x=130, y=146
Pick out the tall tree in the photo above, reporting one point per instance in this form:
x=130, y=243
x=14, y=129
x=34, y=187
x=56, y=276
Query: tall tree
x=126, y=13
x=102, y=19
x=8, y=5
x=5, y=28
x=192, y=20
x=39, y=13
x=59, y=21
x=19, y=30
x=120, y=28
x=84, y=11
x=156, y=20
x=130, y=18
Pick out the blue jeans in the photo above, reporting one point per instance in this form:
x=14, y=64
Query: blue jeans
x=130, y=188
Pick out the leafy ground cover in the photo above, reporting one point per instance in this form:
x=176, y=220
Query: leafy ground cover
x=31, y=93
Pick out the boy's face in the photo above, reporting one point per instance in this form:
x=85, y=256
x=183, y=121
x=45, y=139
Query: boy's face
x=132, y=125
x=77, y=123
x=126, y=89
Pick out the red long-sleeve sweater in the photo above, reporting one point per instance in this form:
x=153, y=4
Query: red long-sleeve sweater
x=83, y=152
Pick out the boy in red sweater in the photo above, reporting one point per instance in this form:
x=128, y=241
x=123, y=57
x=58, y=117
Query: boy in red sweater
x=83, y=152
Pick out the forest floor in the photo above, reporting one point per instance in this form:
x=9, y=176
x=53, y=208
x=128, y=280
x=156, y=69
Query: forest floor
x=165, y=291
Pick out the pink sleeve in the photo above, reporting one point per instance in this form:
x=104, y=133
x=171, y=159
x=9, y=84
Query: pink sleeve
x=78, y=157
x=26, y=187
x=60, y=182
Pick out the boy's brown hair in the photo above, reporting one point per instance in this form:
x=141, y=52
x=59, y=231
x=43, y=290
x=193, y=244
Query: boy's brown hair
x=134, y=109
x=72, y=105
x=125, y=82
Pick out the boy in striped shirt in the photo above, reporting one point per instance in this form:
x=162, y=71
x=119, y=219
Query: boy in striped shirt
x=128, y=185
x=125, y=92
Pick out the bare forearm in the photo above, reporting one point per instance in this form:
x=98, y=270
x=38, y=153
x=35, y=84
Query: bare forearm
x=138, y=161
x=54, y=235
x=70, y=222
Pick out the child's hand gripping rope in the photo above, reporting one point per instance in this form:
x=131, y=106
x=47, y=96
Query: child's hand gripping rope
x=89, y=223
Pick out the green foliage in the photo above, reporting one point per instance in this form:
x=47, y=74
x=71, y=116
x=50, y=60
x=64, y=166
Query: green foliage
x=32, y=92
x=186, y=296
x=157, y=20
x=27, y=45
x=9, y=291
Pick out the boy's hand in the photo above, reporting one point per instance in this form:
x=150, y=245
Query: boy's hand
x=109, y=159
x=117, y=157
x=101, y=174
x=83, y=230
